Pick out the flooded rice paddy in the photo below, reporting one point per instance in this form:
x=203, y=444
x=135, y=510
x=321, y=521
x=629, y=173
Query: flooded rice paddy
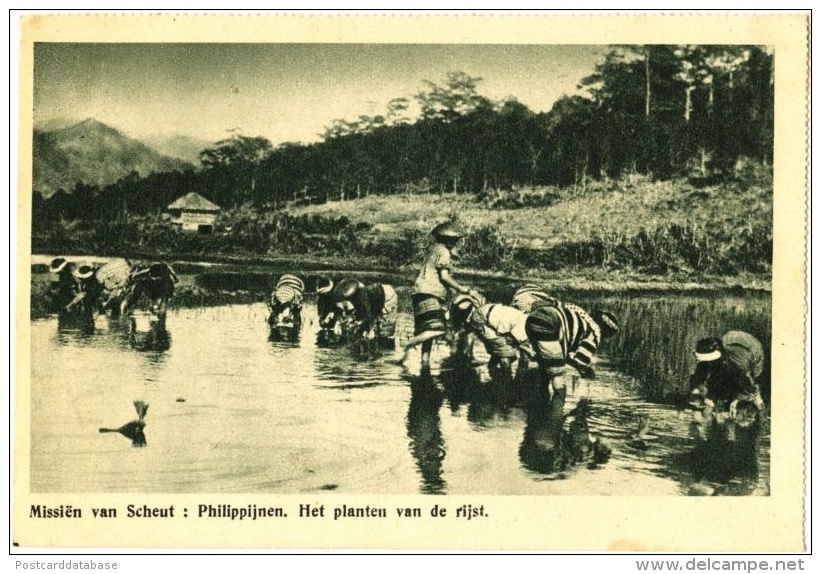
x=231, y=412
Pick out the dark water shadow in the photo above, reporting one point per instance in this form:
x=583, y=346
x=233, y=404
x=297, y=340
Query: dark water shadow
x=133, y=430
x=485, y=400
x=289, y=336
x=75, y=324
x=338, y=368
x=726, y=461
x=667, y=447
x=329, y=339
x=540, y=449
x=427, y=445
x=557, y=440
x=155, y=340
x=147, y=334
x=358, y=347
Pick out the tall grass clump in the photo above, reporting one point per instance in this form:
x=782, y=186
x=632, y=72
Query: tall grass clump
x=667, y=248
x=657, y=337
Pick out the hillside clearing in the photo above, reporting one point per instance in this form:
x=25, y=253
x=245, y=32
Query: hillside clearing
x=610, y=211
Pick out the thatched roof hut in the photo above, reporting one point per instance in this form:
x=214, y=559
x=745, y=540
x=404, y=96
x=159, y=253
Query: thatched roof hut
x=192, y=212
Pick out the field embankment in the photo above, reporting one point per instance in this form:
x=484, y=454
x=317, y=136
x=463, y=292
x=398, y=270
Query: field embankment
x=613, y=234
x=673, y=228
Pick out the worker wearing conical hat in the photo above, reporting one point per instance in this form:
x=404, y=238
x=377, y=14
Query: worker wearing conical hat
x=432, y=288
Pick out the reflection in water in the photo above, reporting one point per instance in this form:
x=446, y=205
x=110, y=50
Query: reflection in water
x=424, y=429
x=134, y=331
x=338, y=369
x=75, y=322
x=283, y=335
x=658, y=440
x=541, y=447
x=133, y=430
x=156, y=338
x=486, y=400
x=460, y=381
x=492, y=400
x=306, y=418
x=727, y=452
x=329, y=339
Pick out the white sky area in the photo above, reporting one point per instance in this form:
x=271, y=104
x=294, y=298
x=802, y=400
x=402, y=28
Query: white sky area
x=284, y=92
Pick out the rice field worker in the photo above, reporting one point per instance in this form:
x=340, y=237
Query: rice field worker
x=325, y=304
x=89, y=290
x=155, y=283
x=63, y=286
x=337, y=316
x=331, y=329
x=285, y=302
x=565, y=339
x=431, y=289
x=372, y=310
x=726, y=374
x=114, y=277
x=500, y=328
x=529, y=295
x=463, y=335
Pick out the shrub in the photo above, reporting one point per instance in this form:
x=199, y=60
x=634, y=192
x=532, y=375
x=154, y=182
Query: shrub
x=408, y=248
x=485, y=247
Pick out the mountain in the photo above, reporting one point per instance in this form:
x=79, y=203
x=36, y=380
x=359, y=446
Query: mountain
x=53, y=124
x=94, y=153
x=184, y=147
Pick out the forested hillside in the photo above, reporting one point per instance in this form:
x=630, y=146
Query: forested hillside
x=699, y=115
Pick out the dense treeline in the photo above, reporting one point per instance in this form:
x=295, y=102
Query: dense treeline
x=699, y=112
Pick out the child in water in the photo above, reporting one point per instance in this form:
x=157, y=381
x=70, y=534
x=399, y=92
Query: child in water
x=431, y=291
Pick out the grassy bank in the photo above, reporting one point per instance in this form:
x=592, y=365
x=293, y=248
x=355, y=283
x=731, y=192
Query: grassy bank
x=649, y=227
x=617, y=233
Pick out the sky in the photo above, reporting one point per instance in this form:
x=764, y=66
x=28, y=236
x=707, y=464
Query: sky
x=284, y=92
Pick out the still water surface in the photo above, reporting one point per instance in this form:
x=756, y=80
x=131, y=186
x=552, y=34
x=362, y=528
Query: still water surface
x=231, y=412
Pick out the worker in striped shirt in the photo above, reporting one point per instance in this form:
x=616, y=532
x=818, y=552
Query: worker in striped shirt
x=527, y=296
x=565, y=339
x=285, y=303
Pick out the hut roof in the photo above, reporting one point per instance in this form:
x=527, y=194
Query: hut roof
x=194, y=202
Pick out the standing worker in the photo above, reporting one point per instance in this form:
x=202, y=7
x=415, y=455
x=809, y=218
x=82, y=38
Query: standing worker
x=431, y=291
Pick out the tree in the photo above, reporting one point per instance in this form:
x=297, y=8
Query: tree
x=362, y=125
x=238, y=149
x=456, y=98
x=399, y=112
x=234, y=165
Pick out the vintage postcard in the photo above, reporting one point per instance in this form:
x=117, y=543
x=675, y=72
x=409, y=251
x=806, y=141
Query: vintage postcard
x=411, y=282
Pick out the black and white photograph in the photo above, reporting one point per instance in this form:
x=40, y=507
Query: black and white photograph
x=274, y=279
